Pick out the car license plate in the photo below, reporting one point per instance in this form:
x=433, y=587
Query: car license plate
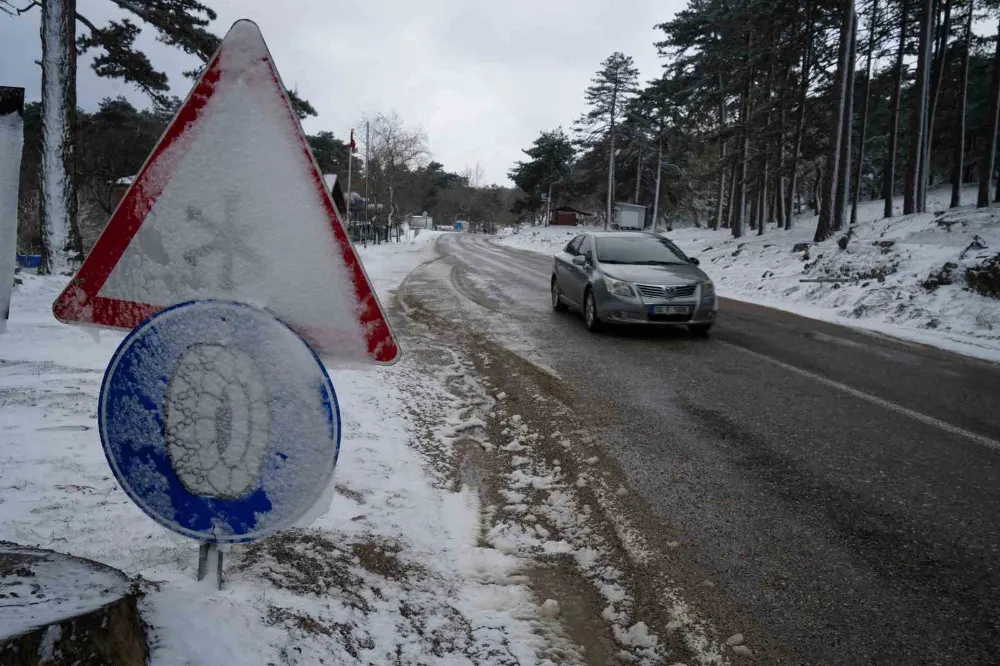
x=670, y=309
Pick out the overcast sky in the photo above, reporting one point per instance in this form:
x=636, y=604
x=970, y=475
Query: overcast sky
x=481, y=78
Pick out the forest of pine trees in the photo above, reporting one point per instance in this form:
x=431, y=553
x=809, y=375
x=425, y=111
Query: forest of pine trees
x=766, y=108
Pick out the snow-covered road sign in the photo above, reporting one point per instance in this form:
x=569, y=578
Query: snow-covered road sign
x=231, y=205
x=219, y=421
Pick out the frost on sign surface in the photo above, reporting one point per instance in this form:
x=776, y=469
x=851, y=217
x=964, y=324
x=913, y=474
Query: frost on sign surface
x=239, y=215
x=217, y=421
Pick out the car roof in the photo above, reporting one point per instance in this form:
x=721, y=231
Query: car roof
x=623, y=234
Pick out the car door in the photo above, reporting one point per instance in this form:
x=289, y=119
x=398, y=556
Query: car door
x=567, y=273
x=582, y=272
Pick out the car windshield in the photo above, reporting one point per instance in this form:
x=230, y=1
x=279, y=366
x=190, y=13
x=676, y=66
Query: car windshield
x=642, y=250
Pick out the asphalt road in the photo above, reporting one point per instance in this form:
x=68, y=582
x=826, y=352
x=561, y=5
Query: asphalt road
x=842, y=486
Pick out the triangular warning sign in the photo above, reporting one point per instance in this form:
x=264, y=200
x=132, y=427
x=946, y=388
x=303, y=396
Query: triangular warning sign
x=231, y=205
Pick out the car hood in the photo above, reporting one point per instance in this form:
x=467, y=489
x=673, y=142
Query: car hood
x=665, y=275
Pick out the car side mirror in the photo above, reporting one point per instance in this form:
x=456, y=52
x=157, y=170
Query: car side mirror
x=694, y=260
x=579, y=260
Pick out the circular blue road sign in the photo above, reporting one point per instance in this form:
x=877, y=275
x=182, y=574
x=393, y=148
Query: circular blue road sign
x=219, y=421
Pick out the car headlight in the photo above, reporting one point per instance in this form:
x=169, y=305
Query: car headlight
x=707, y=290
x=619, y=288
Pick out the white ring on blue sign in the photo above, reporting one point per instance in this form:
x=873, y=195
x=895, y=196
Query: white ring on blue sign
x=303, y=421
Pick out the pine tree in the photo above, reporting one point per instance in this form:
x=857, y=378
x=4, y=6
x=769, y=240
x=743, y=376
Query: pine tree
x=989, y=133
x=937, y=79
x=873, y=22
x=800, y=111
x=610, y=90
x=844, y=164
x=959, y=155
x=912, y=201
x=826, y=222
x=889, y=171
x=551, y=162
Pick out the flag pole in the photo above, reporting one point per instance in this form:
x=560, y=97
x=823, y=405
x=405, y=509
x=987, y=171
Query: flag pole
x=368, y=138
x=350, y=163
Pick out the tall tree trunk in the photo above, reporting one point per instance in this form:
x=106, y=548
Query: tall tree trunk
x=762, y=198
x=60, y=233
x=717, y=220
x=763, y=214
x=638, y=177
x=911, y=201
x=659, y=172
x=611, y=179
x=801, y=120
x=741, y=200
x=864, y=114
x=889, y=173
x=818, y=183
x=959, y=157
x=937, y=81
x=844, y=166
x=989, y=132
x=731, y=205
x=824, y=226
x=611, y=165
x=779, y=174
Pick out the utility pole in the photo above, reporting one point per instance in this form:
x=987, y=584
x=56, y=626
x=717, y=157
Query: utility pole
x=350, y=163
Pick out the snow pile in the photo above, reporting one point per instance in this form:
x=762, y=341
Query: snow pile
x=903, y=276
x=393, y=573
x=547, y=240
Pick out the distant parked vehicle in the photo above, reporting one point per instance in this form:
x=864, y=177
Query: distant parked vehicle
x=632, y=278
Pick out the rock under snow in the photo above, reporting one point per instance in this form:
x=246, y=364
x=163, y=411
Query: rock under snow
x=550, y=608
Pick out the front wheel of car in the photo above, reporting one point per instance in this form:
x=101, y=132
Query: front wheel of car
x=590, y=312
x=700, y=330
x=557, y=301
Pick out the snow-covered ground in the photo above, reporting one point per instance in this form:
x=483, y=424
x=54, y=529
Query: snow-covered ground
x=884, y=267
x=395, y=571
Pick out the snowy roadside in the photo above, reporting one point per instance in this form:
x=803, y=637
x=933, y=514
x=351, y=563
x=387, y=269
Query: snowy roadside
x=884, y=275
x=393, y=573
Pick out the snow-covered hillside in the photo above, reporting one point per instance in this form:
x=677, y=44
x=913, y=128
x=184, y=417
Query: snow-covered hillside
x=903, y=276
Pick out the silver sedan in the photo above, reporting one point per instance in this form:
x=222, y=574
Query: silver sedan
x=632, y=278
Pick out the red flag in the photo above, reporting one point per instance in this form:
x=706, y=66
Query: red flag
x=354, y=146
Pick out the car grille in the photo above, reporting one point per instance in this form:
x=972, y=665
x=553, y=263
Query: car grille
x=667, y=293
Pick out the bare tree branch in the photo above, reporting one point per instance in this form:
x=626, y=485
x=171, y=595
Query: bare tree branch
x=7, y=7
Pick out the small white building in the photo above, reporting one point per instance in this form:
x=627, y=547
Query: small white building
x=629, y=217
